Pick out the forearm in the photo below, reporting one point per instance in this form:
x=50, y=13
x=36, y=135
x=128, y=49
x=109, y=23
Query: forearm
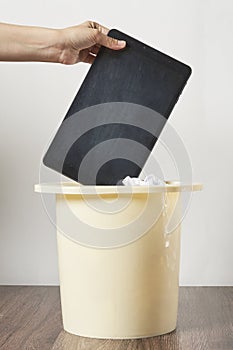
x=24, y=43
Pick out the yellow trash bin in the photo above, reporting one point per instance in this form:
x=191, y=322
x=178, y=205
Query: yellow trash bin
x=128, y=287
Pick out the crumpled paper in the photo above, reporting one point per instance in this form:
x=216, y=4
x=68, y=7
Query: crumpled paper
x=150, y=180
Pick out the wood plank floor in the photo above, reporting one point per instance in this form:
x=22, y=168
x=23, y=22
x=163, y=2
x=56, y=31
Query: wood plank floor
x=30, y=319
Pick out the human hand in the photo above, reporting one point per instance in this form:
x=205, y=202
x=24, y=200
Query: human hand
x=81, y=43
x=70, y=45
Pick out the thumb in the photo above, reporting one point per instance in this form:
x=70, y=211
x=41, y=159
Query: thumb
x=109, y=42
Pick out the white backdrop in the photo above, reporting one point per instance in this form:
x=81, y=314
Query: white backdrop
x=35, y=97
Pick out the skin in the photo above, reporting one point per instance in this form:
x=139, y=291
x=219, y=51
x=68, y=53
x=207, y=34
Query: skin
x=70, y=45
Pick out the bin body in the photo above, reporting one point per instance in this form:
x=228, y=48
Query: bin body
x=129, y=291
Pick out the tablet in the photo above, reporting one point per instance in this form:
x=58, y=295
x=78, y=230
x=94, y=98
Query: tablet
x=118, y=113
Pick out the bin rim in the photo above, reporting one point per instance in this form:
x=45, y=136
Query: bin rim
x=77, y=189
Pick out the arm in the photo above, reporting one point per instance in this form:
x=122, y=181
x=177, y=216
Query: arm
x=70, y=45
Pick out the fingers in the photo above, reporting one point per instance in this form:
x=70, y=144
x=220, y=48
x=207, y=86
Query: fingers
x=101, y=37
x=109, y=42
x=99, y=27
x=89, y=59
x=94, y=49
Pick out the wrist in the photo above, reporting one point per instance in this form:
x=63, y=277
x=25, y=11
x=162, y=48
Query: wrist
x=57, y=50
x=62, y=49
x=52, y=47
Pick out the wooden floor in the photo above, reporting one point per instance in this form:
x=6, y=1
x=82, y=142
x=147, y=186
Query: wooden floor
x=30, y=319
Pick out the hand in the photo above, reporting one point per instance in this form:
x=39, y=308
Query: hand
x=81, y=43
x=70, y=45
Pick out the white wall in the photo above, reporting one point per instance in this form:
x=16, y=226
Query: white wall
x=35, y=97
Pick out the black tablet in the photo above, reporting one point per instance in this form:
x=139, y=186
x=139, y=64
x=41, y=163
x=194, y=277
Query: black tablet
x=118, y=113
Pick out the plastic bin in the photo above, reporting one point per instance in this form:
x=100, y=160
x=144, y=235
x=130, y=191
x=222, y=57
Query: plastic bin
x=127, y=290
